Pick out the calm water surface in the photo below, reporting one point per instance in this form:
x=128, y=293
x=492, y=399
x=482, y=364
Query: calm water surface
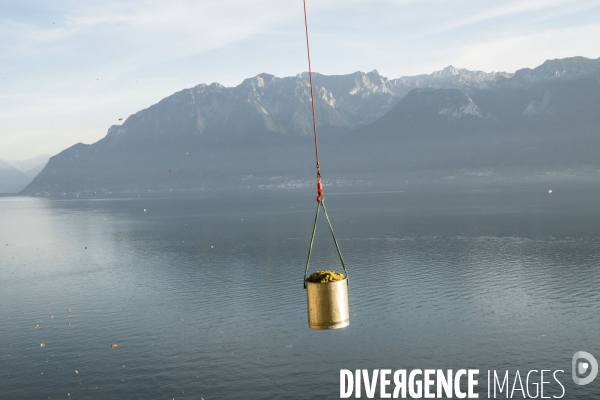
x=204, y=296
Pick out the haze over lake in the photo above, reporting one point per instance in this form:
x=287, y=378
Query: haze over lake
x=204, y=296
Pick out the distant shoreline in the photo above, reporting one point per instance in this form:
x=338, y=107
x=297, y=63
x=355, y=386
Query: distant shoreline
x=332, y=188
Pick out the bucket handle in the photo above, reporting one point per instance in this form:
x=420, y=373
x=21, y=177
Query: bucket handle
x=321, y=203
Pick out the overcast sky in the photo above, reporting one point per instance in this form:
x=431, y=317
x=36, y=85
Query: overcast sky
x=70, y=69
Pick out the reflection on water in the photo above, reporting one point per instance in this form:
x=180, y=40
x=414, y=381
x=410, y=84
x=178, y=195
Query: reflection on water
x=204, y=296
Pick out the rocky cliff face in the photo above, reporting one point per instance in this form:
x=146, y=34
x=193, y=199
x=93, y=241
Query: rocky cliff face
x=261, y=130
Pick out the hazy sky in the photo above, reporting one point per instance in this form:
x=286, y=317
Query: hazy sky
x=70, y=69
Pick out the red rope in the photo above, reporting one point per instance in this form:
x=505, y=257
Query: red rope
x=320, y=196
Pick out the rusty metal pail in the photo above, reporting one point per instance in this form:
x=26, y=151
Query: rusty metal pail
x=328, y=305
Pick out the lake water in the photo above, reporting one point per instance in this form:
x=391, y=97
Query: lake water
x=204, y=296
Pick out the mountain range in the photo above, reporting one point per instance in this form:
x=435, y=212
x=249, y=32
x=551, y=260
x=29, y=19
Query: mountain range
x=444, y=124
x=16, y=174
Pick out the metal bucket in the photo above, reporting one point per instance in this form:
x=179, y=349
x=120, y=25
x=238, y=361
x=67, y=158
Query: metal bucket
x=328, y=305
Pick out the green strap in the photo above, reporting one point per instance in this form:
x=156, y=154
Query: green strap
x=335, y=241
x=312, y=239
